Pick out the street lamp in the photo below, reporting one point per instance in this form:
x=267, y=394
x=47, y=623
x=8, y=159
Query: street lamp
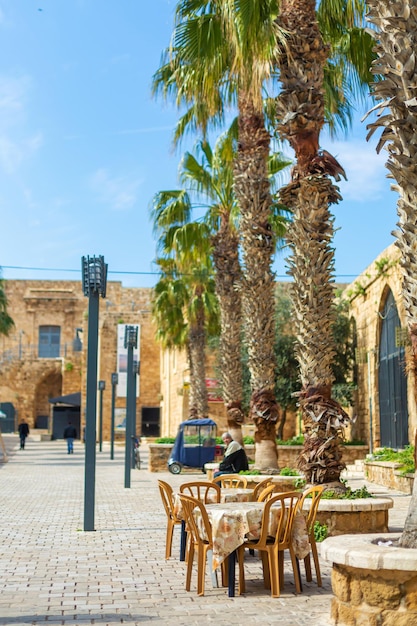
x=131, y=342
x=94, y=277
x=101, y=388
x=114, y=382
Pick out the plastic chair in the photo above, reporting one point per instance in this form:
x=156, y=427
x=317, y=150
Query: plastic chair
x=204, y=491
x=315, y=493
x=272, y=548
x=172, y=520
x=203, y=547
x=260, y=487
x=266, y=494
x=231, y=481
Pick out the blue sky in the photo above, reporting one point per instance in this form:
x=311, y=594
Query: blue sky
x=84, y=146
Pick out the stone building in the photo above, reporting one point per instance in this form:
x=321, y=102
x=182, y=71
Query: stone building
x=42, y=361
x=385, y=405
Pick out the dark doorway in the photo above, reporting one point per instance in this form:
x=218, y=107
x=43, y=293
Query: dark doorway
x=150, y=422
x=7, y=424
x=392, y=380
x=61, y=416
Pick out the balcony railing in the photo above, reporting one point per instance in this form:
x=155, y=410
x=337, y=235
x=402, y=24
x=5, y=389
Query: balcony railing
x=30, y=352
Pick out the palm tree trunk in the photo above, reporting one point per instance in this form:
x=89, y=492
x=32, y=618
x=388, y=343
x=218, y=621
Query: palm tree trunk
x=258, y=303
x=395, y=48
x=300, y=108
x=227, y=278
x=197, y=342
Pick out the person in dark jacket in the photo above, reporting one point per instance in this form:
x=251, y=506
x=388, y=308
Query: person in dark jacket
x=70, y=434
x=235, y=459
x=23, y=429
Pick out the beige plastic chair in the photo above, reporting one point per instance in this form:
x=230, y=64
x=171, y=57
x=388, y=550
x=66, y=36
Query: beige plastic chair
x=203, y=547
x=202, y=490
x=172, y=520
x=266, y=494
x=234, y=481
x=260, y=487
x=315, y=494
x=272, y=548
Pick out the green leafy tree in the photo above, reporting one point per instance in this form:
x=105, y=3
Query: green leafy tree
x=6, y=322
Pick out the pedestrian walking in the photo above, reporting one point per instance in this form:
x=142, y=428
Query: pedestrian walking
x=23, y=429
x=70, y=434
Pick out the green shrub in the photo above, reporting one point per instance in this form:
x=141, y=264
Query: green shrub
x=165, y=440
x=405, y=457
x=250, y=471
x=320, y=531
x=298, y=440
x=354, y=442
x=248, y=441
x=350, y=494
x=289, y=471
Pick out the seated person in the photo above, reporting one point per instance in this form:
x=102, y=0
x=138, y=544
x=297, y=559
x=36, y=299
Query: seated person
x=235, y=459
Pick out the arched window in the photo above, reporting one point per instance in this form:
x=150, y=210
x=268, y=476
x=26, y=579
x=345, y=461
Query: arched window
x=49, y=342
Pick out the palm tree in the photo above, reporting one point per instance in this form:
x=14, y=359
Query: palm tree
x=396, y=44
x=214, y=61
x=301, y=110
x=185, y=307
x=6, y=322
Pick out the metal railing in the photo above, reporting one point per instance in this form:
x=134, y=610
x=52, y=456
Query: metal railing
x=30, y=352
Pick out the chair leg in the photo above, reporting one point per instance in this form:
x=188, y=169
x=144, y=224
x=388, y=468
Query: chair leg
x=274, y=573
x=168, y=542
x=295, y=570
x=201, y=572
x=307, y=566
x=265, y=569
x=316, y=563
x=189, y=566
x=281, y=569
x=213, y=572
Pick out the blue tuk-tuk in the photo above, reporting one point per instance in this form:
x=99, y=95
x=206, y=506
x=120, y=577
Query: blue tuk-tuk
x=195, y=445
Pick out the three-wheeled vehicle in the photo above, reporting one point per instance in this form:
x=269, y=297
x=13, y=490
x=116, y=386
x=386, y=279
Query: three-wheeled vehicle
x=195, y=445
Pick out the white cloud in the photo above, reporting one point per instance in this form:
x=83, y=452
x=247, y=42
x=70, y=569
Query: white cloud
x=118, y=192
x=13, y=152
x=365, y=170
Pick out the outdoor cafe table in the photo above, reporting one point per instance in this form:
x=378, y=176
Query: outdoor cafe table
x=234, y=522
x=228, y=494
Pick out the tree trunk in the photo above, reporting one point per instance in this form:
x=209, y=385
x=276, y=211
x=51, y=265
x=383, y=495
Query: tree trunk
x=227, y=278
x=396, y=49
x=258, y=302
x=300, y=109
x=197, y=341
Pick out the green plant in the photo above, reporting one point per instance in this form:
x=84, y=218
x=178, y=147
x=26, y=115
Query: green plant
x=297, y=440
x=404, y=457
x=69, y=366
x=248, y=441
x=165, y=440
x=354, y=442
x=320, y=531
x=349, y=494
x=250, y=471
x=382, y=265
x=299, y=483
x=289, y=471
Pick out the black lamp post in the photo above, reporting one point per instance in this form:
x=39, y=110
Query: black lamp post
x=101, y=388
x=94, y=275
x=114, y=381
x=131, y=342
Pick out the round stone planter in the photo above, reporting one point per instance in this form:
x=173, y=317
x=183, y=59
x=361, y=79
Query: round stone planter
x=363, y=515
x=372, y=584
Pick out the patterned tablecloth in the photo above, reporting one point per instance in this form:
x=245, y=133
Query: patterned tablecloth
x=231, y=494
x=234, y=522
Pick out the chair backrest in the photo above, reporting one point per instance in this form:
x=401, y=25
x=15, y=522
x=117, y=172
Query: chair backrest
x=189, y=504
x=231, y=481
x=288, y=503
x=167, y=496
x=202, y=490
x=260, y=487
x=314, y=494
x=266, y=493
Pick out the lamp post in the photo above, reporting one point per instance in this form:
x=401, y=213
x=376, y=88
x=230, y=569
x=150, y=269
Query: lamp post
x=101, y=388
x=136, y=371
x=131, y=342
x=114, y=381
x=94, y=276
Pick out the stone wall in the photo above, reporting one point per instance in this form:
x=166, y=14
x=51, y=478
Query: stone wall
x=367, y=295
x=375, y=598
x=387, y=473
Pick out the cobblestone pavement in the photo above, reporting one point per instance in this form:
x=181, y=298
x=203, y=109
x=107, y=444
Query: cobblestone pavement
x=52, y=572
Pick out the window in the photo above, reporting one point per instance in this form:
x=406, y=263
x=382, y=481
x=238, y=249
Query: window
x=49, y=341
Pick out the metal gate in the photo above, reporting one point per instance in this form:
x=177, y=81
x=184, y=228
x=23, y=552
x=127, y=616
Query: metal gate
x=392, y=380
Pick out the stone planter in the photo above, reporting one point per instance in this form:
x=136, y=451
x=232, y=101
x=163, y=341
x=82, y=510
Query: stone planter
x=363, y=515
x=386, y=473
x=373, y=585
